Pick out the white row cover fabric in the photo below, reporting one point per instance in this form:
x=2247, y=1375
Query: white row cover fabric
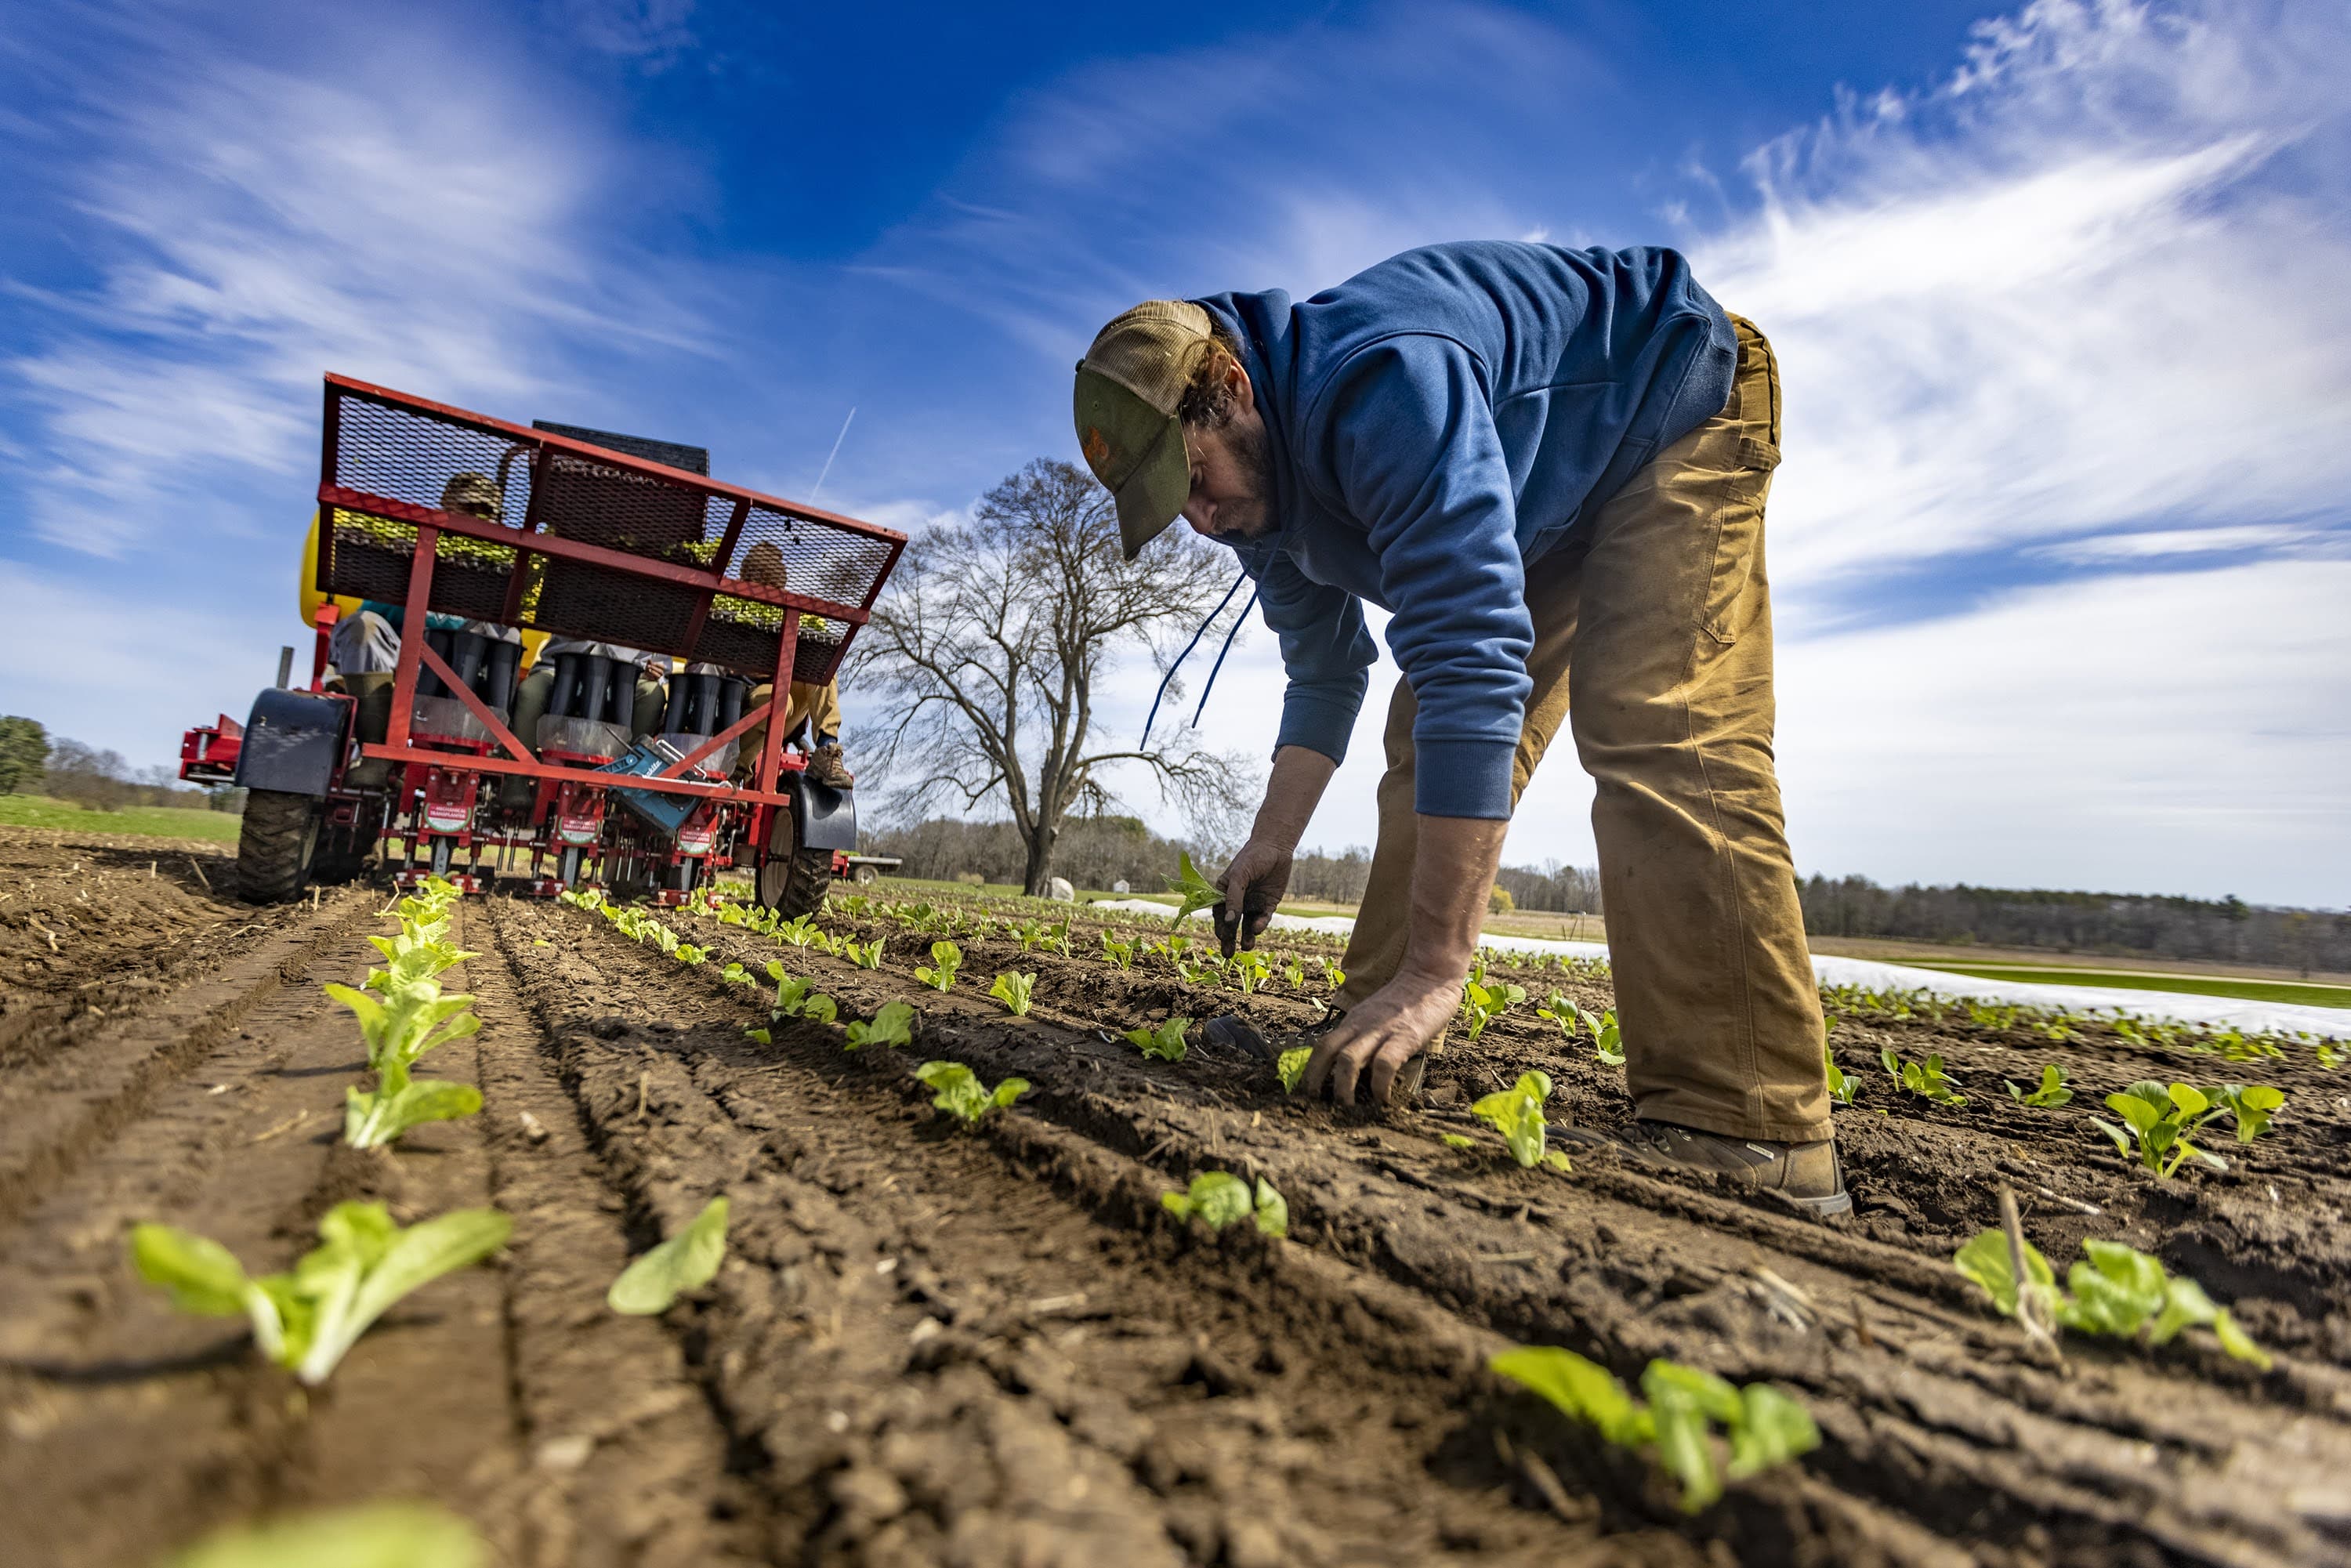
x=2158, y=1007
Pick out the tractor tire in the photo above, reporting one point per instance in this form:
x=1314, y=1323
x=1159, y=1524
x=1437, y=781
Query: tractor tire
x=793, y=881
x=276, y=845
x=342, y=852
x=865, y=875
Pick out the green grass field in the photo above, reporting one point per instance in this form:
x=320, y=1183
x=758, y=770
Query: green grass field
x=2288, y=992
x=142, y=822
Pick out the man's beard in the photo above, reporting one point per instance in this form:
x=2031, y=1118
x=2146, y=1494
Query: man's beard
x=1253, y=455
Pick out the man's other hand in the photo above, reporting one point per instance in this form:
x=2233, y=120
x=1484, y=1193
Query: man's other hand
x=1377, y=1038
x=1253, y=886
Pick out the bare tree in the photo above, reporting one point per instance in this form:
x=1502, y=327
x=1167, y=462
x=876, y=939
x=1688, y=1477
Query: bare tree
x=993, y=636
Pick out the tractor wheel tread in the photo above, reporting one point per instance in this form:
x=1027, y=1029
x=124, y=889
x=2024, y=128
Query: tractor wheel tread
x=274, y=845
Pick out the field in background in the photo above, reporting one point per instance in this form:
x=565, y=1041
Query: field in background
x=2290, y=991
x=152, y=821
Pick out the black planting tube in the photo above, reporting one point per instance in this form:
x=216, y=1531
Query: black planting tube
x=428, y=685
x=596, y=680
x=498, y=686
x=706, y=705
x=563, y=702
x=673, y=717
x=467, y=650
x=731, y=689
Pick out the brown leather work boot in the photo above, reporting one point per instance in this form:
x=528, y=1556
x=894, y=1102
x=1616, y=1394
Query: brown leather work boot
x=1804, y=1174
x=826, y=767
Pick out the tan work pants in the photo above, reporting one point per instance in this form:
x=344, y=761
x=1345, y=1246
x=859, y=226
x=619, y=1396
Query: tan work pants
x=819, y=704
x=1662, y=602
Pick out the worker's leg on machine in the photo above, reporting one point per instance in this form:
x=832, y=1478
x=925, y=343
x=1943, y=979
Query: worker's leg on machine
x=530, y=701
x=651, y=704
x=819, y=708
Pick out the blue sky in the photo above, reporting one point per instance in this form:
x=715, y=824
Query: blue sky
x=2060, y=547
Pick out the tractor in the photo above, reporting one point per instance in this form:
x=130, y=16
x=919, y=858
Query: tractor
x=497, y=548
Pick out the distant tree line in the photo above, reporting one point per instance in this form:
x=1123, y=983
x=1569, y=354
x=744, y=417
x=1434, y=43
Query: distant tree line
x=31, y=763
x=2114, y=923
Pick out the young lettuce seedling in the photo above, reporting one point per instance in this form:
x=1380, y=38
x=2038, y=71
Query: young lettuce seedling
x=945, y=960
x=1250, y=969
x=1291, y=1066
x=1842, y=1086
x=2116, y=1292
x=307, y=1318
x=2052, y=1092
x=1165, y=1043
x=1764, y=1426
x=686, y=1262
x=1294, y=972
x=799, y=931
x=1198, y=892
x=893, y=1025
x=1607, y=1038
x=1484, y=1004
x=1118, y=952
x=2159, y=1120
x=1013, y=990
x=1925, y=1078
x=374, y=1535
x=736, y=974
x=2250, y=1107
x=690, y=955
x=1517, y=1112
x=399, y=1029
x=962, y=1096
x=867, y=956
x=1218, y=1199
x=797, y=998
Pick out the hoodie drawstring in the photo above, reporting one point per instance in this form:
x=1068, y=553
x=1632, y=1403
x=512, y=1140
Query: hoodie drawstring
x=1146, y=738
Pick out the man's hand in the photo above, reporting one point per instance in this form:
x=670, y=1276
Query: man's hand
x=1259, y=874
x=1253, y=886
x=1381, y=1035
x=1452, y=876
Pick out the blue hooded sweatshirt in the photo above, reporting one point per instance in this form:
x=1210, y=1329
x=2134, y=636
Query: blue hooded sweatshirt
x=1434, y=424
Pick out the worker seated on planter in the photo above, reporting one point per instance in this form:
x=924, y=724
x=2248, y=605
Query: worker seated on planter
x=364, y=647
x=818, y=706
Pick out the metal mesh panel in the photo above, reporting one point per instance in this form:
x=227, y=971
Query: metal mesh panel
x=820, y=561
x=386, y=446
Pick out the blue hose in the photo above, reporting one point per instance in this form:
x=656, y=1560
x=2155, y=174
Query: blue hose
x=1170, y=675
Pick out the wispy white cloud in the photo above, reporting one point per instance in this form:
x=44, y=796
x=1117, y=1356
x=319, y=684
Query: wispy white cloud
x=2091, y=281
x=2117, y=548
x=412, y=220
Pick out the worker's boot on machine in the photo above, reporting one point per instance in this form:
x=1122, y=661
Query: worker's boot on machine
x=1807, y=1175
x=826, y=767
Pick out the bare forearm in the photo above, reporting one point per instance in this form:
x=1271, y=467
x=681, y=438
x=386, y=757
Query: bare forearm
x=1452, y=876
x=1293, y=792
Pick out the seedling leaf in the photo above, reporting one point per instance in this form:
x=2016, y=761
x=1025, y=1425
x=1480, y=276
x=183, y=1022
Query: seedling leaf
x=1215, y=1197
x=1198, y=891
x=686, y=1262
x=1517, y=1114
x=1291, y=1066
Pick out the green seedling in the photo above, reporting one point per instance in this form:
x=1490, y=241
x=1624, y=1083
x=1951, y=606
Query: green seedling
x=962, y=1096
x=1121, y=953
x=2052, y=1092
x=1926, y=1079
x=1764, y=1428
x=2158, y=1119
x=1165, y=1041
x=1218, y=1199
x=1030, y=934
x=893, y=1025
x=1607, y=1038
x=1291, y=1066
x=1517, y=1114
x=1250, y=970
x=945, y=960
x=687, y=953
x=2116, y=1290
x=798, y=999
x=799, y=931
x=1058, y=939
x=1198, y=892
x=867, y=956
x=371, y=1535
x=2249, y=1105
x=686, y=1262
x=736, y=974
x=1196, y=974
x=759, y=1036
x=1844, y=1087
x=308, y=1317
x=1457, y=1141
x=1333, y=974
x=399, y=1029
x=732, y=915
x=1294, y=972
x=1013, y=990
x=420, y=952
x=1484, y=1004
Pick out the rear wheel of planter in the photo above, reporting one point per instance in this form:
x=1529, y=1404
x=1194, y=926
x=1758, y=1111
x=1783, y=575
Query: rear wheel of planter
x=792, y=881
x=275, y=846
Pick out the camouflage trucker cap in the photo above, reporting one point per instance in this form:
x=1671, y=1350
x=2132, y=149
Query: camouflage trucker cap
x=1128, y=387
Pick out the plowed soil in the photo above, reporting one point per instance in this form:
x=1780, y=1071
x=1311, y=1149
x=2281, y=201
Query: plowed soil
x=934, y=1345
